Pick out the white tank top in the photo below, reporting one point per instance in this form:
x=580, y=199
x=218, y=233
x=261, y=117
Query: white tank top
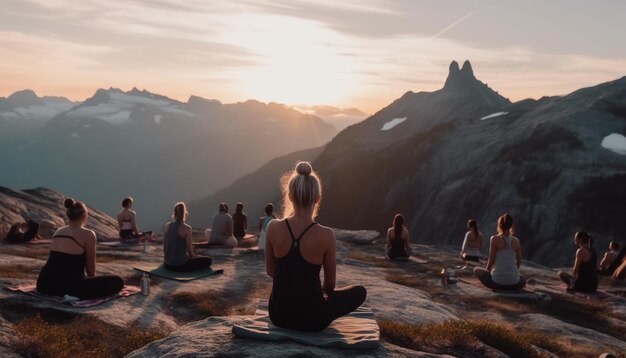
x=505, y=270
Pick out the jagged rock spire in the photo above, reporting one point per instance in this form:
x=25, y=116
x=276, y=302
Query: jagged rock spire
x=459, y=78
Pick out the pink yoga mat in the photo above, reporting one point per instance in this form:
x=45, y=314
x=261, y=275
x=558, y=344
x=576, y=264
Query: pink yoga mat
x=31, y=290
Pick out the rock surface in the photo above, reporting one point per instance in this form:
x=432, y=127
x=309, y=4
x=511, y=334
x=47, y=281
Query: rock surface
x=44, y=204
x=404, y=292
x=212, y=337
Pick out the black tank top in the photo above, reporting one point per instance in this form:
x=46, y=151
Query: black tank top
x=297, y=299
x=62, y=266
x=587, y=280
x=397, y=247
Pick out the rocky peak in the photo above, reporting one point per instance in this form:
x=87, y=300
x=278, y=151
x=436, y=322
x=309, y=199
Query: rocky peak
x=24, y=98
x=101, y=96
x=462, y=78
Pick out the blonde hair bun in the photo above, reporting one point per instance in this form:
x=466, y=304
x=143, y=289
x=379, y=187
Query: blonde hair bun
x=304, y=168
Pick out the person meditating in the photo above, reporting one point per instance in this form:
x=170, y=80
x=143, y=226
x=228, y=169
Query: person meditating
x=22, y=232
x=505, y=258
x=609, y=257
x=473, y=242
x=584, y=276
x=177, y=250
x=398, y=239
x=263, y=221
x=221, y=232
x=296, y=249
x=126, y=220
x=240, y=222
x=72, y=252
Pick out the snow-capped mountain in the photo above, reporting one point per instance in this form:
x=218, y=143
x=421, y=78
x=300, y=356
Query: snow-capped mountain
x=154, y=148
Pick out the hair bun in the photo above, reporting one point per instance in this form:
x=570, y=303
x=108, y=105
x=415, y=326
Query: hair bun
x=69, y=203
x=304, y=168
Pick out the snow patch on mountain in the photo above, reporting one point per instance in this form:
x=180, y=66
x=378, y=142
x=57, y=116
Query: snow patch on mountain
x=119, y=107
x=494, y=115
x=615, y=142
x=392, y=123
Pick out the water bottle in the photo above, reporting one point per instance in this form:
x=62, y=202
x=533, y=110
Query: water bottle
x=145, y=284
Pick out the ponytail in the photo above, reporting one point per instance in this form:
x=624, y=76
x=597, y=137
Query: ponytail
x=398, y=225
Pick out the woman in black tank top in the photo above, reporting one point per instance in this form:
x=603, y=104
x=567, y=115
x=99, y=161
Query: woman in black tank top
x=584, y=276
x=297, y=300
x=398, y=239
x=64, y=272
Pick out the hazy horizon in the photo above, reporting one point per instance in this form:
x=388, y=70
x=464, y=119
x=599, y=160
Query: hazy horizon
x=307, y=53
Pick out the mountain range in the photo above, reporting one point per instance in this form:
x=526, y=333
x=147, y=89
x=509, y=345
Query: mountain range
x=557, y=165
x=145, y=145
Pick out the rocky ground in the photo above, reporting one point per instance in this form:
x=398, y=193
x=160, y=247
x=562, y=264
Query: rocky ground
x=197, y=316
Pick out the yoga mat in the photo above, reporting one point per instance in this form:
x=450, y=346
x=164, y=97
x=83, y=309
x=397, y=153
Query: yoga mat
x=562, y=288
x=413, y=259
x=521, y=293
x=206, y=245
x=122, y=244
x=31, y=290
x=39, y=242
x=357, y=330
x=161, y=271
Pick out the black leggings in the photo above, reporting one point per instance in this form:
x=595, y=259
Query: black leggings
x=345, y=300
x=339, y=303
x=85, y=288
x=193, y=264
x=485, y=278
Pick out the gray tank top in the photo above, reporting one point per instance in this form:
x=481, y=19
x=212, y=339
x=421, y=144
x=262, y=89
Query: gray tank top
x=174, y=247
x=505, y=270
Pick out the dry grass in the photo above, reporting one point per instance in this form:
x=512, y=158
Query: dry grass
x=453, y=337
x=189, y=306
x=83, y=336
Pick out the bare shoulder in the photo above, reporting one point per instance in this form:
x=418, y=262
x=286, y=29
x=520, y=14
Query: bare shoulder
x=273, y=224
x=88, y=235
x=326, y=232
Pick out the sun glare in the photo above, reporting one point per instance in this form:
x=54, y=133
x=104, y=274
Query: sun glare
x=299, y=62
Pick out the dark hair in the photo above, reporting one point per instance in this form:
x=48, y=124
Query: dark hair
x=585, y=238
x=505, y=224
x=239, y=207
x=613, y=245
x=75, y=209
x=223, y=207
x=269, y=209
x=398, y=222
x=180, y=212
x=473, y=225
x=127, y=202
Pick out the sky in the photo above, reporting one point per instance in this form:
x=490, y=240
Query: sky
x=360, y=54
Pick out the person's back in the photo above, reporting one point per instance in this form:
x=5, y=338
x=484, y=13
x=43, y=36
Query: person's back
x=297, y=299
x=221, y=228
x=72, y=254
x=587, y=280
x=397, y=243
x=240, y=221
x=297, y=249
x=174, y=245
x=66, y=262
x=505, y=270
